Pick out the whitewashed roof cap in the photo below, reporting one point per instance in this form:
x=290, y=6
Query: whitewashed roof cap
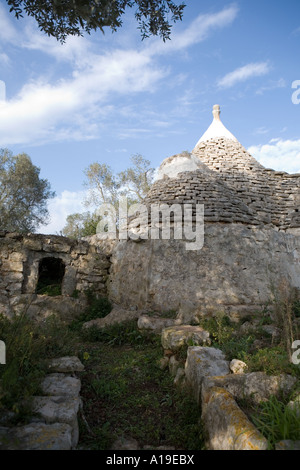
x=217, y=129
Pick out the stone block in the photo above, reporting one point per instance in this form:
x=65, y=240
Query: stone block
x=59, y=409
x=155, y=324
x=66, y=364
x=204, y=362
x=61, y=385
x=37, y=436
x=256, y=385
x=237, y=367
x=227, y=427
x=175, y=337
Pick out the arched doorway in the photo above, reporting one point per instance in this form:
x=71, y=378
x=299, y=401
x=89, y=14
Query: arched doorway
x=51, y=274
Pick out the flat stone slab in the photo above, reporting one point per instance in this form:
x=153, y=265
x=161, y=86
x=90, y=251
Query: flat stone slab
x=57, y=408
x=155, y=324
x=66, y=364
x=37, y=436
x=175, y=337
x=204, y=362
x=117, y=315
x=60, y=409
x=61, y=385
x=228, y=428
x=256, y=385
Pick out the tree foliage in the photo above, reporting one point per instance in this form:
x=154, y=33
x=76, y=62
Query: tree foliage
x=105, y=187
x=80, y=225
x=61, y=18
x=23, y=194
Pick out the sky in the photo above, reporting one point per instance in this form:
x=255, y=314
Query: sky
x=106, y=97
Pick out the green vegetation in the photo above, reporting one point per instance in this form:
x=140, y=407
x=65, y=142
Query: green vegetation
x=23, y=194
x=255, y=346
x=106, y=187
x=49, y=289
x=124, y=391
x=98, y=307
x=61, y=19
x=277, y=422
x=28, y=346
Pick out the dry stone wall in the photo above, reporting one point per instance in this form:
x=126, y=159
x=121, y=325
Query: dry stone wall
x=236, y=271
x=85, y=267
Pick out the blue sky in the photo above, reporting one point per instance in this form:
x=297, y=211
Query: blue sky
x=107, y=97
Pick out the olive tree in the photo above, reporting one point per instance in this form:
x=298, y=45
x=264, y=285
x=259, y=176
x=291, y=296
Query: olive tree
x=61, y=18
x=23, y=194
x=105, y=187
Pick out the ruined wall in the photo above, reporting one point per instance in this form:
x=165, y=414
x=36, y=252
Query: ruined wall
x=236, y=271
x=20, y=255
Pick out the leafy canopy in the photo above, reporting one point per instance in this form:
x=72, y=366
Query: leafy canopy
x=105, y=187
x=61, y=18
x=23, y=194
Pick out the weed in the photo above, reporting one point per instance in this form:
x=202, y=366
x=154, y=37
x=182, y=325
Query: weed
x=51, y=290
x=277, y=422
x=28, y=346
x=219, y=327
x=286, y=309
x=98, y=307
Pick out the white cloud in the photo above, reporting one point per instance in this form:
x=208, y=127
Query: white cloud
x=74, y=103
x=2, y=91
x=8, y=33
x=280, y=155
x=68, y=202
x=198, y=31
x=273, y=85
x=74, y=106
x=244, y=73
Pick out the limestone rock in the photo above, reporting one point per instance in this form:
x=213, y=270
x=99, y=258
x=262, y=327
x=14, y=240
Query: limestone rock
x=287, y=445
x=226, y=425
x=237, y=366
x=204, y=362
x=61, y=385
x=295, y=405
x=66, y=364
x=179, y=377
x=37, y=436
x=256, y=385
x=173, y=365
x=125, y=443
x=59, y=409
x=117, y=315
x=155, y=324
x=163, y=363
x=176, y=337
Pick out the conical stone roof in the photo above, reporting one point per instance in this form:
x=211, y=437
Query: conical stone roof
x=233, y=186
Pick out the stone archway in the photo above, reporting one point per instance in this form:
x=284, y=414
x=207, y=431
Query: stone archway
x=50, y=276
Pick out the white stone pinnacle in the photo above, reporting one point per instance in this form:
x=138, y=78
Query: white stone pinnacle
x=216, y=129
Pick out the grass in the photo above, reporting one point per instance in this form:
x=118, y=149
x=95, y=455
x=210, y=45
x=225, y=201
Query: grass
x=126, y=394
x=256, y=348
x=277, y=422
x=124, y=391
x=28, y=346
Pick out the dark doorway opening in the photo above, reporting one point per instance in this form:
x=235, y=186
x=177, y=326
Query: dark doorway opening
x=51, y=274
